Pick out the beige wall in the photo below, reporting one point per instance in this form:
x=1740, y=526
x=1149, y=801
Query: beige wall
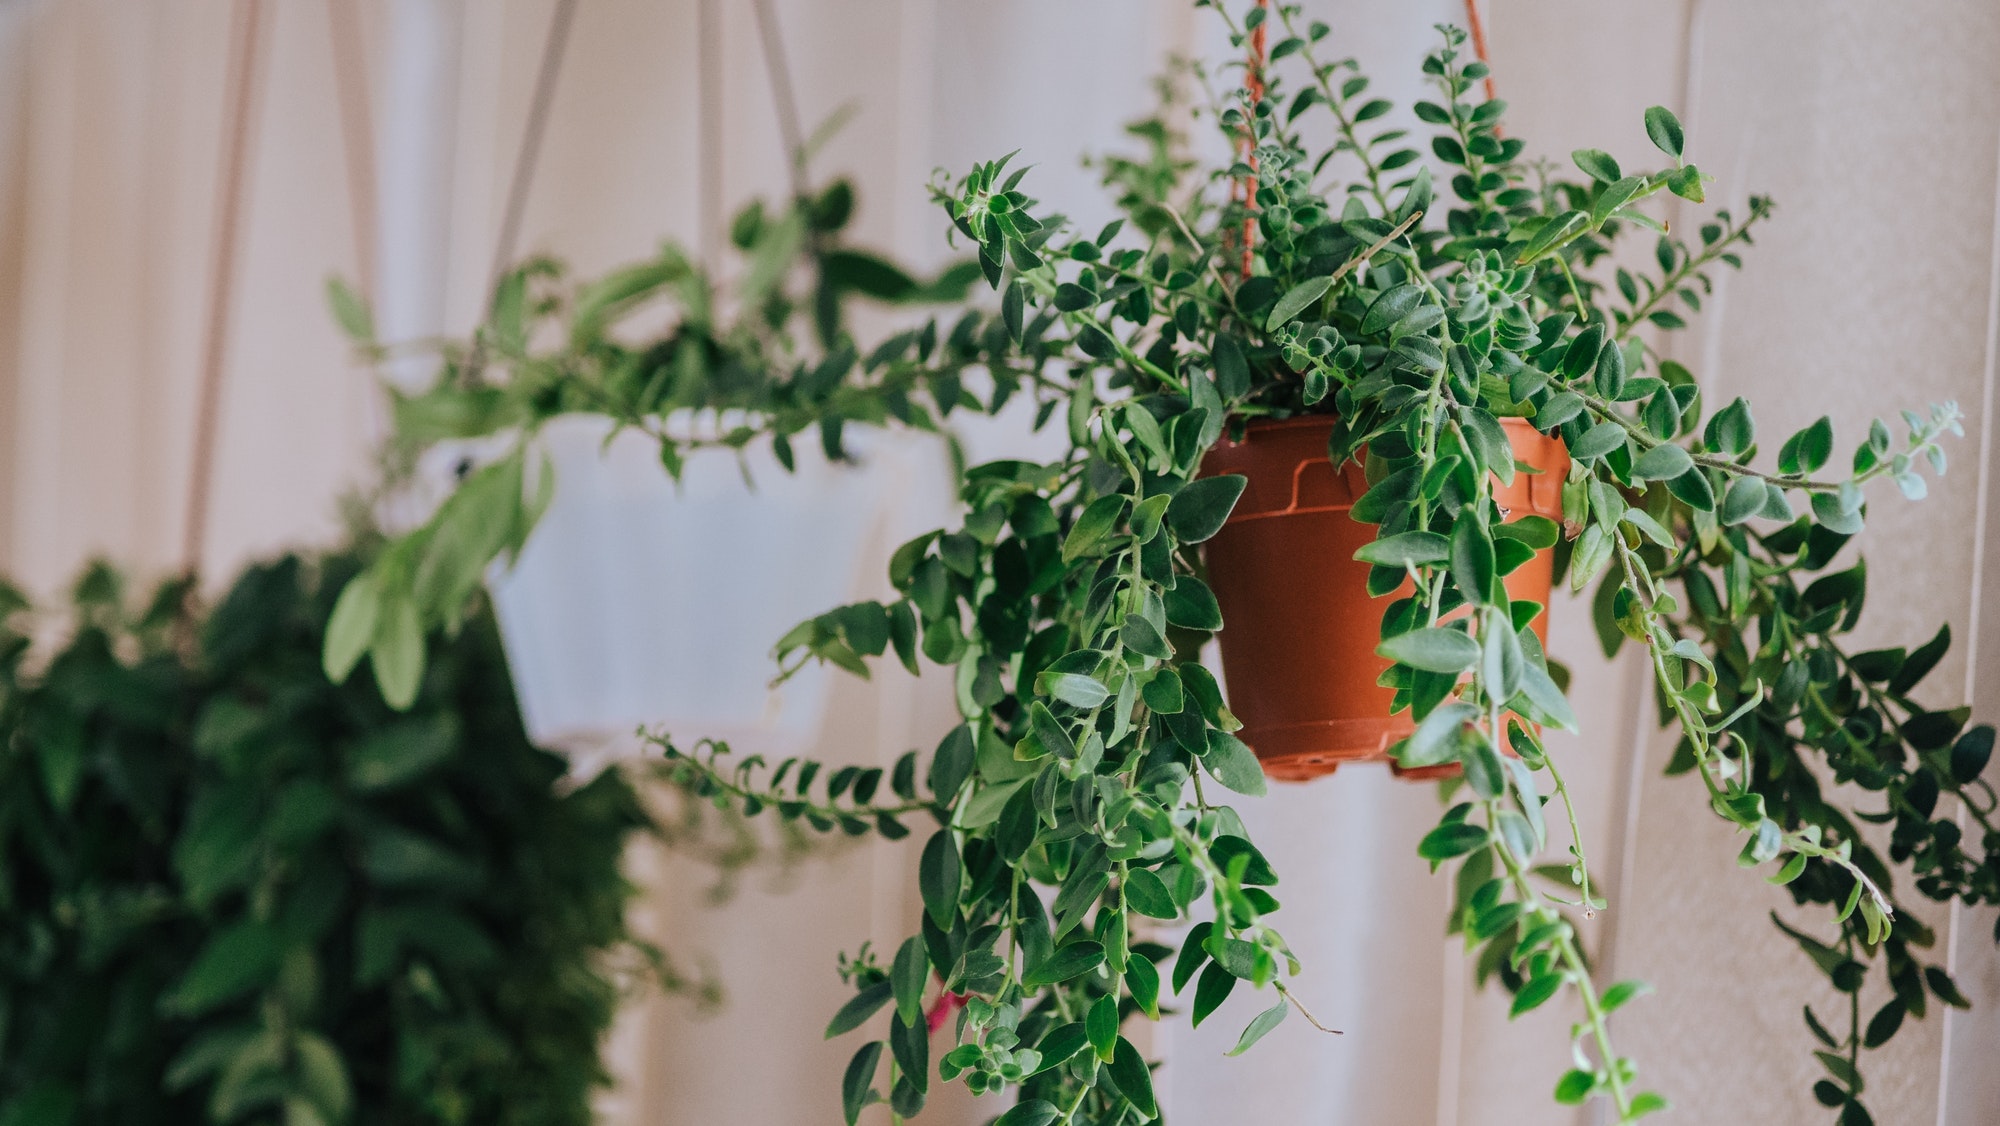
x=1874, y=125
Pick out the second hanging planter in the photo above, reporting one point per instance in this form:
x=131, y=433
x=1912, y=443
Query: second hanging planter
x=1300, y=628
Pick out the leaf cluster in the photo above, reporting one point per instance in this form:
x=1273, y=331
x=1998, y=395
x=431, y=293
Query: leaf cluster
x=231, y=891
x=1438, y=312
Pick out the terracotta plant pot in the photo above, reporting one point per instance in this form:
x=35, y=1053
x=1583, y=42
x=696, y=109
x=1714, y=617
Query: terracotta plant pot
x=1299, y=628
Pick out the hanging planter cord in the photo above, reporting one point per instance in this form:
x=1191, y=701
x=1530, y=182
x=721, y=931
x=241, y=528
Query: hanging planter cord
x=242, y=94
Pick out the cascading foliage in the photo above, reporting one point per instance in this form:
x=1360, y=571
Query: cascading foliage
x=1078, y=807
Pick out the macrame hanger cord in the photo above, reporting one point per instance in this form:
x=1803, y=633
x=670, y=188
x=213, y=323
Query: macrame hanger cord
x=528, y=157
x=357, y=135
x=1253, y=88
x=783, y=97
x=243, y=90
x=1477, y=28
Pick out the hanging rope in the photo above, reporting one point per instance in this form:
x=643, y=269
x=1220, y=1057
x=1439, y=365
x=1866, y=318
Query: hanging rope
x=1478, y=29
x=782, y=96
x=708, y=152
x=357, y=134
x=1253, y=86
x=529, y=155
x=242, y=90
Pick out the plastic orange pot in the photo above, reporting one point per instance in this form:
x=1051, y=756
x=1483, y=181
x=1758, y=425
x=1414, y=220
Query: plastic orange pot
x=1299, y=628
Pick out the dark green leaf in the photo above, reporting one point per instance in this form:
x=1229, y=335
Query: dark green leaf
x=1073, y=960
x=1034, y=1112
x=857, y=1086
x=1665, y=130
x=1295, y=301
x=1201, y=507
x=859, y=1008
x=1233, y=764
x=1135, y=1080
x=938, y=877
x=1597, y=164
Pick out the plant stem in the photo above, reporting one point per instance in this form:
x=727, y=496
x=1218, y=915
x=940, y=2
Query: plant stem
x=1338, y=106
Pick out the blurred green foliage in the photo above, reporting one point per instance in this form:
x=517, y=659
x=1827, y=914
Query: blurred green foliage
x=231, y=891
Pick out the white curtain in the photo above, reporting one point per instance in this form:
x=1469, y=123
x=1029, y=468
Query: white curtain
x=1876, y=126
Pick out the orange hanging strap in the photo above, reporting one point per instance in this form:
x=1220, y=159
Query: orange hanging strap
x=1478, y=29
x=1253, y=85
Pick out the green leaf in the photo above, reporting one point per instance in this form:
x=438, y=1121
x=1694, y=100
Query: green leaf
x=1453, y=838
x=857, y=1086
x=1597, y=164
x=1970, y=754
x=910, y=1046
x=1100, y=1024
x=350, y=311
x=1073, y=688
x=1406, y=549
x=1233, y=764
x=1201, y=507
x=1437, y=649
x=909, y=974
x=1807, y=450
x=1135, y=1080
x=1552, y=233
x=1597, y=441
x=859, y=1008
x=1832, y=515
x=1073, y=960
x=1474, y=562
x=938, y=877
x=1946, y=989
x=1060, y=1045
x=1232, y=371
x=1147, y=894
x=1261, y=1024
x=1034, y=1112
x=1538, y=532
x=1142, y=978
x=1141, y=636
x=1574, y=1087
x=1392, y=306
x=1535, y=994
x=953, y=762
x=1662, y=463
x=1743, y=500
x=1093, y=527
x=398, y=651
x=1883, y=1025
x=1210, y=991
x=1295, y=301
x=351, y=629
x=1841, y=1070
x=1615, y=997
x=233, y=962
x=1665, y=130
x=1190, y=604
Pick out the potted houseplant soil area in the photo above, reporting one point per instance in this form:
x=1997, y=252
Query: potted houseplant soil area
x=1356, y=409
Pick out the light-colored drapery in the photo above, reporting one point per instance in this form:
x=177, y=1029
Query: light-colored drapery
x=1876, y=126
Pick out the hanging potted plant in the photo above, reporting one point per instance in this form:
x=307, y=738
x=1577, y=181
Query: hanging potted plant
x=743, y=390
x=1363, y=432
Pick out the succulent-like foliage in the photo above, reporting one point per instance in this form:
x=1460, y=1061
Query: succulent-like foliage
x=1080, y=800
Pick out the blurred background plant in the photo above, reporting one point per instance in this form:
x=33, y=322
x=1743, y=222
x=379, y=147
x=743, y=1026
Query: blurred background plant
x=235, y=892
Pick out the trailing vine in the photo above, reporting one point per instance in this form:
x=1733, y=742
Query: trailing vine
x=1079, y=803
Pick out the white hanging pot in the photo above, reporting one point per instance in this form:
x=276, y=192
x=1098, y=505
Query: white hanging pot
x=639, y=602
